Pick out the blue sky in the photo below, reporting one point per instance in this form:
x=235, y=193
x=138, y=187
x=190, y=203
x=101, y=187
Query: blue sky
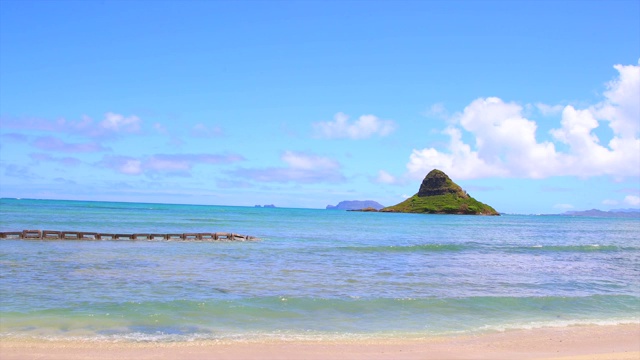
x=531, y=106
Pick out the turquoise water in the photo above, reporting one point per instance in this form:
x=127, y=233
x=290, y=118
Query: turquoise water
x=314, y=273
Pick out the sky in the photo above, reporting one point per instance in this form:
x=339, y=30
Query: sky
x=531, y=106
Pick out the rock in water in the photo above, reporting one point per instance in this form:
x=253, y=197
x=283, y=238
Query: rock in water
x=438, y=194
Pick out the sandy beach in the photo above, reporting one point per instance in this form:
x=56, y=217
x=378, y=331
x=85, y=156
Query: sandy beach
x=575, y=342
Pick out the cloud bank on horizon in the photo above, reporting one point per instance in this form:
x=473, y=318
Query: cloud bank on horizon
x=504, y=142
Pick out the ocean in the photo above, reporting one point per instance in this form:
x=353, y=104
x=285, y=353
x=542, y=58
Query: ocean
x=314, y=274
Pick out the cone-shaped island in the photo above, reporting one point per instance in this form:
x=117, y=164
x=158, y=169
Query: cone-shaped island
x=439, y=195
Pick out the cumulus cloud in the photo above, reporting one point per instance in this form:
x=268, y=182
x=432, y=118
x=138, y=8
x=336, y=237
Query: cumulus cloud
x=621, y=107
x=365, y=127
x=122, y=164
x=461, y=157
x=300, y=168
x=119, y=123
x=505, y=142
x=167, y=164
x=386, y=178
x=548, y=110
x=632, y=200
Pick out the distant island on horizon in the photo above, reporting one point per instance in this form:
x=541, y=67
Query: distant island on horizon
x=625, y=213
x=356, y=205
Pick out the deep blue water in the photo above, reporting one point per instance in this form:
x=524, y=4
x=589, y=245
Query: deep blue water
x=316, y=273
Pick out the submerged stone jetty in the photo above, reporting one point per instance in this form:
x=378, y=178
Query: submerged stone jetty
x=83, y=235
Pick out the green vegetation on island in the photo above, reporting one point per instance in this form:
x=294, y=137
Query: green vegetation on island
x=438, y=194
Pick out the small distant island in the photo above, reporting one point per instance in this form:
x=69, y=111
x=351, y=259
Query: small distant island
x=438, y=194
x=351, y=205
x=265, y=206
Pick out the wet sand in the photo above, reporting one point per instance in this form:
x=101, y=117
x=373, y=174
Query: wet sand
x=561, y=343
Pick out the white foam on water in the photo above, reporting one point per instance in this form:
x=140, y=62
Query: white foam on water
x=557, y=324
x=293, y=336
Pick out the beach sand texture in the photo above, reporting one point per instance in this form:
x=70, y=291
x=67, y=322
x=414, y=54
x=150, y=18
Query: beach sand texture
x=575, y=342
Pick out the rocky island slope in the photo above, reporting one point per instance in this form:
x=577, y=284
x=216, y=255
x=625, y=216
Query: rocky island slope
x=438, y=194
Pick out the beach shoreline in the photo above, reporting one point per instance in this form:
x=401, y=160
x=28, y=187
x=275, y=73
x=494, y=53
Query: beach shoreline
x=571, y=342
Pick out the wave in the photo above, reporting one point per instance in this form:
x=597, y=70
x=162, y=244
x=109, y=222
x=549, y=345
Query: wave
x=184, y=319
x=293, y=305
x=234, y=337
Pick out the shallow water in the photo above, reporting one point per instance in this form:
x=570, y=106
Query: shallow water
x=316, y=273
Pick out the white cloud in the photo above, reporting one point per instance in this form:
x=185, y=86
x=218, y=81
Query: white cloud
x=120, y=123
x=51, y=143
x=461, y=162
x=168, y=164
x=548, y=110
x=385, y=178
x=112, y=125
x=297, y=160
x=365, y=127
x=128, y=166
x=437, y=110
x=632, y=200
x=505, y=143
x=301, y=168
x=622, y=107
x=610, y=202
